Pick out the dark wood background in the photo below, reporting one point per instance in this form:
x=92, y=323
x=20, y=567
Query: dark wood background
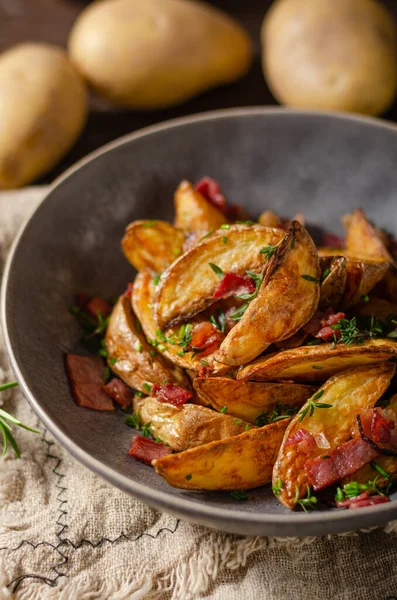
x=51, y=20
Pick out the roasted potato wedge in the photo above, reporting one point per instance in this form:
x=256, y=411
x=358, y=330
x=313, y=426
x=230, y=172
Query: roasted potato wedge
x=187, y=426
x=193, y=212
x=293, y=274
x=135, y=362
x=237, y=463
x=188, y=286
x=363, y=240
x=347, y=393
x=317, y=363
x=249, y=399
x=377, y=307
x=333, y=286
x=152, y=244
x=269, y=219
x=362, y=276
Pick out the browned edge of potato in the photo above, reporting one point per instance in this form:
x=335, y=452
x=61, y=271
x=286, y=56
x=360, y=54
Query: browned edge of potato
x=188, y=285
x=193, y=212
x=363, y=239
x=135, y=363
x=293, y=275
x=187, y=426
x=249, y=399
x=317, y=363
x=152, y=245
x=333, y=286
x=347, y=393
x=237, y=463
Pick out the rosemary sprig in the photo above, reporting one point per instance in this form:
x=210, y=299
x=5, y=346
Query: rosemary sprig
x=5, y=427
x=312, y=405
x=279, y=412
x=268, y=250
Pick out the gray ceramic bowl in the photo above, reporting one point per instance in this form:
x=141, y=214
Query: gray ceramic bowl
x=321, y=164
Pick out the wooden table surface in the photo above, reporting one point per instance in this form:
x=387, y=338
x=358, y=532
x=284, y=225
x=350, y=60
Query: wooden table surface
x=50, y=20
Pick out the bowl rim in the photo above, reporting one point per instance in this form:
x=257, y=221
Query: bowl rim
x=179, y=505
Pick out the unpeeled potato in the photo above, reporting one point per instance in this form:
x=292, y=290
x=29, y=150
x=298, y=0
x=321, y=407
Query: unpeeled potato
x=43, y=107
x=150, y=54
x=331, y=54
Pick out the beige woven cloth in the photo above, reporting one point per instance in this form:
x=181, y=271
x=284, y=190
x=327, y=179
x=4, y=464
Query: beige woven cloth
x=66, y=534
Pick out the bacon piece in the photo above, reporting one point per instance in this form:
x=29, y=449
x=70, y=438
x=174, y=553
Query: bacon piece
x=370, y=501
x=326, y=333
x=204, y=335
x=145, y=450
x=314, y=324
x=304, y=440
x=332, y=318
x=98, y=305
x=210, y=189
x=344, y=460
x=85, y=377
x=82, y=300
x=319, y=325
x=173, y=394
x=333, y=241
x=346, y=503
x=381, y=428
x=119, y=392
x=231, y=284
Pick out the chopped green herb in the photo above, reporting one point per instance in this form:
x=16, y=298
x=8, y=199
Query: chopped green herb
x=206, y=235
x=217, y=270
x=161, y=335
x=147, y=387
x=103, y=352
x=224, y=239
x=353, y=489
x=312, y=405
x=113, y=360
x=378, y=468
x=245, y=222
x=148, y=224
x=279, y=412
x=240, y=496
x=146, y=431
x=239, y=312
x=106, y=374
x=180, y=353
x=319, y=367
x=139, y=394
x=310, y=278
x=268, y=250
x=219, y=322
x=277, y=487
x=247, y=427
x=156, y=279
x=204, y=362
x=150, y=306
x=309, y=502
x=325, y=274
x=161, y=348
x=223, y=409
x=350, y=333
x=177, y=251
x=339, y=496
x=133, y=420
x=185, y=335
x=138, y=325
x=392, y=334
x=365, y=298
x=138, y=347
x=225, y=226
x=238, y=421
x=153, y=353
x=188, y=477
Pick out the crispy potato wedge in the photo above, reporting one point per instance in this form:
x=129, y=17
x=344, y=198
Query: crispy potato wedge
x=377, y=307
x=362, y=276
x=249, y=399
x=188, y=286
x=363, y=239
x=135, y=363
x=142, y=298
x=269, y=219
x=237, y=463
x=333, y=286
x=292, y=275
x=317, y=363
x=152, y=244
x=193, y=212
x=187, y=426
x=347, y=393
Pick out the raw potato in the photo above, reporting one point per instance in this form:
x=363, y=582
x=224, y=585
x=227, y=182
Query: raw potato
x=331, y=54
x=348, y=393
x=188, y=285
x=187, y=426
x=317, y=363
x=285, y=302
x=43, y=107
x=152, y=245
x=193, y=212
x=333, y=286
x=249, y=399
x=135, y=364
x=150, y=54
x=237, y=463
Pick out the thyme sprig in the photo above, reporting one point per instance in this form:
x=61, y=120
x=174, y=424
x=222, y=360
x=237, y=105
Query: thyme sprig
x=279, y=412
x=312, y=405
x=5, y=427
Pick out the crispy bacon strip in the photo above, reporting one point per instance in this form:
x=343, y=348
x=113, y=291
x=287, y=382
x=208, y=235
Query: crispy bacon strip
x=232, y=284
x=85, y=376
x=145, y=450
x=119, y=392
x=173, y=394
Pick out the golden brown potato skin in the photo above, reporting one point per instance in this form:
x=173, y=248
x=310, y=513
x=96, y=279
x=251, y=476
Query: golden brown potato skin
x=237, y=463
x=187, y=426
x=331, y=54
x=136, y=367
x=43, y=107
x=333, y=286
x=286, y=300
x=152, y=244
x=150, y=54
x=317, y=363
x=363, y=240
x=248, y=399
x=193, y=212
x=348, y=393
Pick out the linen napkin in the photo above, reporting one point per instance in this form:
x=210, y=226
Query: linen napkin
x=66, y=534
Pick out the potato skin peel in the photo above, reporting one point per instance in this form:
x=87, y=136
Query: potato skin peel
x=349, y=393
x=267, y=319
x=237, y=463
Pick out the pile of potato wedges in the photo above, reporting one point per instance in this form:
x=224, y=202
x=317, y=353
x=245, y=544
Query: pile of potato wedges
x=276, y=339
